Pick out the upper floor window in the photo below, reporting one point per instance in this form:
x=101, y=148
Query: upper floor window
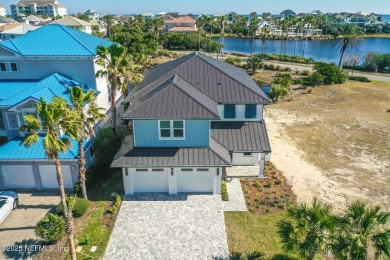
x=171, y=130
x=8, y=66
x=250, y=111
x=229, y=111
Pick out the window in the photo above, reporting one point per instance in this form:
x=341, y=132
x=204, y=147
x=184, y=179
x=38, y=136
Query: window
x=3, y=67
x=250, y=111
x=171, y=129
x=230, y=111
x=157, y=170
x=247, y=154
x=187, y=170
x=13, y=65
x=141, y=170
x=12, y=119
x=203, y=169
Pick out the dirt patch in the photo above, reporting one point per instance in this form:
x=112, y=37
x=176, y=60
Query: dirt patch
x=263, y=196
x=335, y=142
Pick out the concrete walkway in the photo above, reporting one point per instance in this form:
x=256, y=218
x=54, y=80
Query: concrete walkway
x=159, y=226
x=236, y=196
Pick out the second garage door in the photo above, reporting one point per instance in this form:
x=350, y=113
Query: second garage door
x=195, y=180
x=18, y=176
x=150, y=180
x=49, y=176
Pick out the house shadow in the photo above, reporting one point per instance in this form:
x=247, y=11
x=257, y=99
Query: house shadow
x=161, y=196
x=388, y=110
x=26, y=249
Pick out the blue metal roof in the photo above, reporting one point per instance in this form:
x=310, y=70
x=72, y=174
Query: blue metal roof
x=55, y=40
x=14, y=150
x=14, y=92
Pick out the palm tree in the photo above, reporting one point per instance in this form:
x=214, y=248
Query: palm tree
x=253, y=27
x=56, y=120
x=222, y=23
x=119, y=69
x=254, y=63
x=309, y=229
x=210, y=22
x=109, y=20
x=284, y=26
x=362, y=228
x=84, y=105
x=349, y=39
x=308, y=22
x=263, y=37
x=156, y=24
x=200, y=23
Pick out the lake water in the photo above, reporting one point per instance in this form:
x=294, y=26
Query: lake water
x=320, y=50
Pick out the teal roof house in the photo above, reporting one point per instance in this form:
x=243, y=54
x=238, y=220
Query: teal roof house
x=43, y=64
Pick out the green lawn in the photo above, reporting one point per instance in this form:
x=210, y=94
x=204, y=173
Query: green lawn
x=248, y=233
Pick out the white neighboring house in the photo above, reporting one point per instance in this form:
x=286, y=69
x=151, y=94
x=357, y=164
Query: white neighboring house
x=3, y=11
x=17, y=31
x=75, y=23
x=39, y=7
x=92, y=14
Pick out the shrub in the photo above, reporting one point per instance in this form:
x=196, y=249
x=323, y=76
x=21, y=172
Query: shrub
x=305, y=72
x=287, y=69
x=270, y=184
x=309, y=90
x=80, y=206
x=233, y=61
x=224, y=193
x=278, y=67
x=359, y=78
x=50, y=228
x=316, y=79
x=331, y=73
x=297, y=81
x=277, y=91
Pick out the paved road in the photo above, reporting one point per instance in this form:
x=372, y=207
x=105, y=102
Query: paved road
x=301, y=67
x=17, y=230
x=161, y=226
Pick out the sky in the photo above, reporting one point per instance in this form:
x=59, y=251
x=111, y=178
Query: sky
x=224, y=6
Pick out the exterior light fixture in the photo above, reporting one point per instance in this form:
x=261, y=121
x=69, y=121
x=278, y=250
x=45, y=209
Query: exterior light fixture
x=126, y=172
x=217, y=171
x=172, y=173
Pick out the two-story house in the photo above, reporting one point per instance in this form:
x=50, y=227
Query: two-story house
x=191, y=118
x=181, y=24
x=43, y=63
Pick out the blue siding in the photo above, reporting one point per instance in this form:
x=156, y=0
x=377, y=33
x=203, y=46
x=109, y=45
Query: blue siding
x=197, y=134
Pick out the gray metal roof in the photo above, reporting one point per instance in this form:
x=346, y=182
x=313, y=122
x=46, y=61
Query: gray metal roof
x=174, y=98
x=129, y=156
x=241, y=136
x=222, y=82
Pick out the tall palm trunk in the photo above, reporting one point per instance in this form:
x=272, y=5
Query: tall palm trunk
x=205, y=42
x=67, y=214
x=157, y=40
x=295, y=47
x=262, y=50
x=253, y=43
x=285, y=47
x=281, y=47
x=199, y=34
x=82, y=177
x=211, y=29
x=304, y=47
x=341, y=56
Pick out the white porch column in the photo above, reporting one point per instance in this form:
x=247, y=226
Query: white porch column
x=262, y=165
x=128, y=181
x=217, y=176
x=172, y=178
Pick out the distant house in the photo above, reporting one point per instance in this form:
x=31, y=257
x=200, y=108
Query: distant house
x=17, y=31
x=39, y=7
x=316, y=13
x=181, y=24
x=4, y=21
x=147, y=15
x=287, y=13
x=231, y=16
x=3, y=11
x=218, y=14
x=75, y=23
x=92, y=14
x=34, y=20
x=8, y=26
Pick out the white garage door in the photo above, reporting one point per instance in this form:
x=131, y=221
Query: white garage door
x=18, y=176
x=195, y=180
x=49, y=176
x=150, y=180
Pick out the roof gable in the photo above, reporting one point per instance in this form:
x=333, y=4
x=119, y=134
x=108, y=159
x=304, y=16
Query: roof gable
x=220, y=81
x=55, y=40
x=174, y=98
x=71, y=21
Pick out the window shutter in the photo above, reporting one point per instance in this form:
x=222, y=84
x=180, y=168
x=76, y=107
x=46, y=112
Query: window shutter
x=230, y=111
x=250, y=111
x=12, y=121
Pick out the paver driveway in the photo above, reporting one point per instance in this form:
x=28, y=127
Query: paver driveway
x=169, y=227
x=18, y=228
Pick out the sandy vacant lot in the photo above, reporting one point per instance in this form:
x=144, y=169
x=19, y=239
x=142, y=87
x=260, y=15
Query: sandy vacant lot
x=335, y=142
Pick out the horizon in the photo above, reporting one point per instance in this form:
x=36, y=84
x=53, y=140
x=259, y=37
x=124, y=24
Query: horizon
x=223, y=6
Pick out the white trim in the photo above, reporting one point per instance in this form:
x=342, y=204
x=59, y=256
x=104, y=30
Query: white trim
x=17, y=120
x=171, y=131
x=13, y=108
